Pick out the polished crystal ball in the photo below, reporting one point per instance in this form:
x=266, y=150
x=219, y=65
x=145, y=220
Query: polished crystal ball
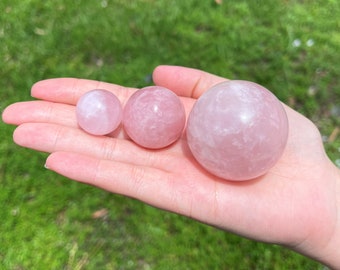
x=99, y=112
x=154, y=117
x=237, y=130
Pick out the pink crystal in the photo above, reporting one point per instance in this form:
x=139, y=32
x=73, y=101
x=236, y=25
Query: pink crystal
x=154, y=117
x=237, y=130
x=99, y=112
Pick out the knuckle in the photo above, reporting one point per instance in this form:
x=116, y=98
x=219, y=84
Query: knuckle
x=108, y=148
x=138, y=178
x=137, y=174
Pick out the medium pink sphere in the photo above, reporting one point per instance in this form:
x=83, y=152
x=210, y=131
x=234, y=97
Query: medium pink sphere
x=99, y=112
x=237, y=130
x=154, y=117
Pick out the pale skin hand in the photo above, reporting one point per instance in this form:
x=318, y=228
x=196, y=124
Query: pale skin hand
x=296, y=204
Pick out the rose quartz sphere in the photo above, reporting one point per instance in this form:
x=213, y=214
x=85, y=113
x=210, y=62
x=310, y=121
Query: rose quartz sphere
x=99, y=112
x=237, y=130
x=154, y=117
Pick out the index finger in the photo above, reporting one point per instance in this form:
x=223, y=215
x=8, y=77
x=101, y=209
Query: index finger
x=69, y=90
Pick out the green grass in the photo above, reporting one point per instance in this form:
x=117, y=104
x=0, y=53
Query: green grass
x=46, y=220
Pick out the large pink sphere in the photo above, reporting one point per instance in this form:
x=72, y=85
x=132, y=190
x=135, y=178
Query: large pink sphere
x=99, y=112
x=154, y=117
x=237, y=130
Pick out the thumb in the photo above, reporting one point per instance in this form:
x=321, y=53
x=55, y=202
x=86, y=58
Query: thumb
x=187, y=82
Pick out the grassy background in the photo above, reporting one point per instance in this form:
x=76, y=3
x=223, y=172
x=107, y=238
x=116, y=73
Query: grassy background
x=47, y=222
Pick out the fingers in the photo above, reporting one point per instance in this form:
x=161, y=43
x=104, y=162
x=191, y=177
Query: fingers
x=52, y=112
x=134, y=181
x=40, y=111
x=221, y=204
x=184, y=81
x=166, y=190
x=68, y=90
x=50, y=138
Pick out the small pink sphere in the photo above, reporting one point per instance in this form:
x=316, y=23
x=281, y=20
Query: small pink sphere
x=154, y=117
x=99, y=112
x=237, y=130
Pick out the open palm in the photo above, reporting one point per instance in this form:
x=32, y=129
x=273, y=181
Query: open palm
x=294, y=204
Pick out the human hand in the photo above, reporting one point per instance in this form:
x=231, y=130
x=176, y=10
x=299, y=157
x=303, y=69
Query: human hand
x=295, y=204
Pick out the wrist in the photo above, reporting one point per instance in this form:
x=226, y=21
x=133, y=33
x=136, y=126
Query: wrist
x=332, y=256
x=327, y=251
